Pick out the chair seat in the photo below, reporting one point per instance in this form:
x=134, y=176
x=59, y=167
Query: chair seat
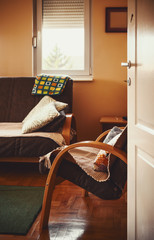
x=71, y=171
x=105, y=190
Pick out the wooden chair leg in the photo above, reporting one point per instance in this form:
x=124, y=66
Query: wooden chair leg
x=48, y=192
x=49, y=188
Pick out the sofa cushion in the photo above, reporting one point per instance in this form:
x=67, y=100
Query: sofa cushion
x=15, y=144
x=26, y=146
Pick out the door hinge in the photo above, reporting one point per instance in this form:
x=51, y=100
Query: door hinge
x=128, y=81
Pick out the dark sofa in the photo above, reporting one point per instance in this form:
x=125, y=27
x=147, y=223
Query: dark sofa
x=16, y=101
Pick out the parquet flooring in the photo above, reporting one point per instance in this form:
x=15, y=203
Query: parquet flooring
x=72, y=216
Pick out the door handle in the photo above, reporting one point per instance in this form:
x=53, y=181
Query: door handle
x=126, y=64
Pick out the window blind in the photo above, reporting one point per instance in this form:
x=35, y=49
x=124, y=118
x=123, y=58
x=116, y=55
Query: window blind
x=63, y=13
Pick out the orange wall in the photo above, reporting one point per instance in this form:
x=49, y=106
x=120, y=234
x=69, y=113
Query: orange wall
x=15, y=37
x=105, y=95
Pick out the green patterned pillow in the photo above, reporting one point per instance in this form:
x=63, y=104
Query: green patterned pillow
x=49, y=85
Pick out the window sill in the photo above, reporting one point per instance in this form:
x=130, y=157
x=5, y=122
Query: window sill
x=82, y=78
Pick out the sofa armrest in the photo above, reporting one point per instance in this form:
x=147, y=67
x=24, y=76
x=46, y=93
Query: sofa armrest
x=69, y=124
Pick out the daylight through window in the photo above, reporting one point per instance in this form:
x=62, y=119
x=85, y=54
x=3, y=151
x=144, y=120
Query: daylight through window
x=63, y=37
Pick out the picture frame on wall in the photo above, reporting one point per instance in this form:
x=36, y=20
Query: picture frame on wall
x=116, y=19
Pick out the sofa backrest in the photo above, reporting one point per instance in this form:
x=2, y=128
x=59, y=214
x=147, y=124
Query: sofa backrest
x=16, y=99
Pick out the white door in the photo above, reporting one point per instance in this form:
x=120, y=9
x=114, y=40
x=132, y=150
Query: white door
x=141, y=120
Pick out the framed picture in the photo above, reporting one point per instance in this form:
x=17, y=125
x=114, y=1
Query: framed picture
x=116, y=19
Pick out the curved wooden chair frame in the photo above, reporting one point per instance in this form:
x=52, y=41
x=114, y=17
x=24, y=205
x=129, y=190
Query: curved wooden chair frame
x=52, y=176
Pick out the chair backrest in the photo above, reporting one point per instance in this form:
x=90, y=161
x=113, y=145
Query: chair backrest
x=16, y=99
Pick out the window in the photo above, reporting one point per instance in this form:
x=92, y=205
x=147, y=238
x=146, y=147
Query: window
x=63, y=38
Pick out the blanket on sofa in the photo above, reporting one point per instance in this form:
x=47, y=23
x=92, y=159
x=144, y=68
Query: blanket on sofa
x=49, y=85
x=14, y=143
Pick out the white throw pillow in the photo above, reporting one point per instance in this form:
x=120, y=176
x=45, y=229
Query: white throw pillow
x=43, y=102
x=40, y=117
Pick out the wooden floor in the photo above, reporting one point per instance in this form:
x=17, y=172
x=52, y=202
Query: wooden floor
x=72, y=216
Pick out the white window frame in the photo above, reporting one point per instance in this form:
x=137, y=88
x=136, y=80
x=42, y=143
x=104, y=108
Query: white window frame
x=82, y=75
